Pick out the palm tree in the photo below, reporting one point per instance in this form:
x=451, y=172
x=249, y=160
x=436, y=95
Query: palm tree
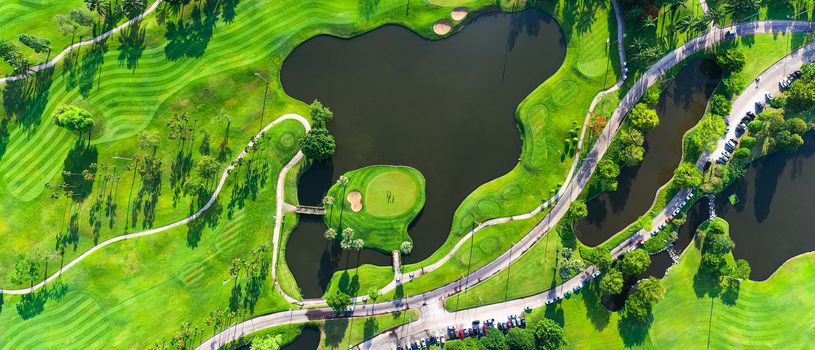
x=235, y=268
x=685, y=24
x=330, y=234
x=649, y=22
x=638, y=44
x=741, y=8
x=132, y=7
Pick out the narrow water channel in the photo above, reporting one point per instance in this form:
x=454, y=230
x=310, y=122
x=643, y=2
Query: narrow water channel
x=446, y=108
x=680, y=107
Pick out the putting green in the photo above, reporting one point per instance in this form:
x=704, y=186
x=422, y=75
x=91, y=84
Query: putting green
x=378, y=203
x=391, y=193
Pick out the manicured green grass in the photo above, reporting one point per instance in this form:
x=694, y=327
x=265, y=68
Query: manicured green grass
x=544, y=118
x=129, y=91
x=36, y=18
x=134, y=293
x=801, y=9
x=767, y=314
x=535, y=271
x=344, y=333
x=141, y=290
x=389, y=198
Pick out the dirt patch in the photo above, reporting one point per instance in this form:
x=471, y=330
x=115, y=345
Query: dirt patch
x=459, y=13
x=355, y=199
x=442, y=27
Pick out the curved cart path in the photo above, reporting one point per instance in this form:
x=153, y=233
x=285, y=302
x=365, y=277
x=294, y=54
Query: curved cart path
x=192, y=217
x=434, y=316
x=95, y=40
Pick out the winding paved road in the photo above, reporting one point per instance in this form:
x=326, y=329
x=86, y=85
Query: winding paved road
x=186, y=220
x=434, y=317
x=68, y=49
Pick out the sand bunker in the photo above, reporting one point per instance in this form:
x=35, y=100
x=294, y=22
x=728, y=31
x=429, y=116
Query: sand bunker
x=355, y=198
x=459, y=13
x=442, y=27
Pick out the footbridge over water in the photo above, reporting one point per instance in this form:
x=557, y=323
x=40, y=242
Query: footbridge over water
x=309, y=210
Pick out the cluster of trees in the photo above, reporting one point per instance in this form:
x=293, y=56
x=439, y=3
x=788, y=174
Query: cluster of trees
x=632, y=264
x=642, y=298
x=716, y=250
x=15, y=57
x=319, y=144
x=801, y=94
x=543, y=335
x=732, y=61
x=687, y=175
x=779, y=133
x=73, y=118
x=338, y=301
x=570, y=264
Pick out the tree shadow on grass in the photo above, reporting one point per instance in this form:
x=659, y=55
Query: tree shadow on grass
x=335, y=331
x=706, y=284
x=347, y=284
x=371, y=328
x=595, y=310
x=131, y=45
x=634, y=331
x=24, y=102
x=208, y=218
x=731, y=293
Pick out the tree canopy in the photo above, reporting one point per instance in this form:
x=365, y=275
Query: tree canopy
x=73, y=118
x=578, y=210
x=643, y=296
x=520, y=339
x=608, y=170
x=611, y=282
x=338, y=301
x=731, y=60
x=494, y=340
x=320, y=114
x=720, y=105
x=632, y=155
x=687, y=175
x=643, y=118
x=318, y=144
x=549, y=335
x=38, y=44
x=635, y=262
x=268, y=342
x=207, y=167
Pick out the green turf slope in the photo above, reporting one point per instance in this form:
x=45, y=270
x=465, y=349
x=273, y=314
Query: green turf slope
x=391, y=197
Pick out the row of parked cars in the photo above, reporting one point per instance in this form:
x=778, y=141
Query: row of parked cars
x=422, y=343
x=786, y=82
x=480, y=328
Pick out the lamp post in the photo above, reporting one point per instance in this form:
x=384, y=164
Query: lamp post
x=265, y=94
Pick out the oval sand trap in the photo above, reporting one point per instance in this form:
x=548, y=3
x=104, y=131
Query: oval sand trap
x=355, y=198
x=442, y=27
x=459, y=13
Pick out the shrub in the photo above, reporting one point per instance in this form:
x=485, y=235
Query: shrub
x=720, y=105
x=733, y=85
x=778, y=102
x=747, y=141
x=731, y=60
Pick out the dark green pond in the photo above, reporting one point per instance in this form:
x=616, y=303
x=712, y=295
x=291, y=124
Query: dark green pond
x=446, y=108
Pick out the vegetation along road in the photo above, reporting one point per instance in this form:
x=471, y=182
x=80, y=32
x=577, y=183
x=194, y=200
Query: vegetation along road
x=434, y=317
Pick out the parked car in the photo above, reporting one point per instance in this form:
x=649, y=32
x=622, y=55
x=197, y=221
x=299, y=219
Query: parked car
x=759, y=106
x=689, y=196
x=751, y=115
x=797, y=74
x=528, y=309
x=729, y=147
x=768, y=97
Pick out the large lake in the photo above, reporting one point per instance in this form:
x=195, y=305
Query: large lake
x=445, y=107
